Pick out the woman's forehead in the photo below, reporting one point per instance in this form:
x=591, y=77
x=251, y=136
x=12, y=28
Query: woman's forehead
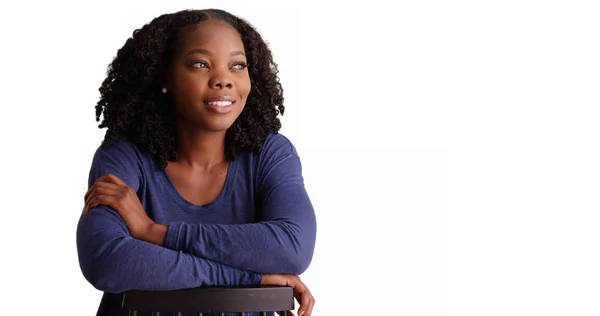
x=215, y=33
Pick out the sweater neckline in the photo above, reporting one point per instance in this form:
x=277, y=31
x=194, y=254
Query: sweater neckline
x=168, y=184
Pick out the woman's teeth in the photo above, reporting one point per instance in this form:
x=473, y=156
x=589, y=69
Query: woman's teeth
x=220, y=103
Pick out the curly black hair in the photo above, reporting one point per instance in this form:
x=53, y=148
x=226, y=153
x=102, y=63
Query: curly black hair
x=134, y=107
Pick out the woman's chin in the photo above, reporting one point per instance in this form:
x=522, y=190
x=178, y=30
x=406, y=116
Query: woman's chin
x=217, y=126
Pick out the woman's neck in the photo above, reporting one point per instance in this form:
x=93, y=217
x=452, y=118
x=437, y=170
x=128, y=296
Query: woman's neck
x=201, y=149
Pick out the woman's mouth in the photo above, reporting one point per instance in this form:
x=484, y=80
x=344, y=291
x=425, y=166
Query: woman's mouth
x=220, y=105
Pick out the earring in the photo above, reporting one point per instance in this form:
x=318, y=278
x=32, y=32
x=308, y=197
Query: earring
x=164, y=90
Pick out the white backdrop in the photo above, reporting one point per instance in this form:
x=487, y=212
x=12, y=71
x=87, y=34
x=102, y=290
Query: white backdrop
x=451, y=149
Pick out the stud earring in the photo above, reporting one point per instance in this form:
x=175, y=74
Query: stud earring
x=164, y=90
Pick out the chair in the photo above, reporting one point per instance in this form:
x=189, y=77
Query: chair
x=211, y=300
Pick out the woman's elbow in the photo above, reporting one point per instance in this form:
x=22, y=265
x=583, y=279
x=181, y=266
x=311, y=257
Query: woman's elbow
x=300, y=266
x=301, y=257
x=103, y=279
x=96, y=251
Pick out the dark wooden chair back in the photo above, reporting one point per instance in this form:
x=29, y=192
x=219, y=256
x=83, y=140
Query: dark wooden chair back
x=210, y=300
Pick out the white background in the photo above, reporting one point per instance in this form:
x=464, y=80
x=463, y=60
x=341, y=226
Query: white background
x=451, y=149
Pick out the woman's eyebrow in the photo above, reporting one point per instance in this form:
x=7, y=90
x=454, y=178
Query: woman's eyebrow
x=209, y=53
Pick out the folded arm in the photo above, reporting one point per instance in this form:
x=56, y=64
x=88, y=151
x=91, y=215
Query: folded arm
x=113, y=261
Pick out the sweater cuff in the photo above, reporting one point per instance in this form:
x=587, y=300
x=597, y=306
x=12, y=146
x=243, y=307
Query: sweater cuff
x=255, y=279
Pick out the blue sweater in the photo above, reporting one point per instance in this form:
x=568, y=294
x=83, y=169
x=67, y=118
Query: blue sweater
x=262, y=222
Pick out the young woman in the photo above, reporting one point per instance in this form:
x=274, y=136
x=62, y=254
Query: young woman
x=193, y=185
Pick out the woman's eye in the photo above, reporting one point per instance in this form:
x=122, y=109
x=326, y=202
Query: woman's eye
x=240, y=66
x=198, y=64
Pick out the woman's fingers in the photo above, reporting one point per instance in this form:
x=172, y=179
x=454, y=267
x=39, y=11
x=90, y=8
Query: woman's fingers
x=104, y=199
x=309, y=306
x=107, y=179
x=100, y=188
x=305, y=298
x=306, y=304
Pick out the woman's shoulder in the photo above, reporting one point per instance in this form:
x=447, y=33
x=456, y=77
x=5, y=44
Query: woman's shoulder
x=120, y=150
x=122, y=158
x=276, y=148
x=119, y=146
x=277, y=144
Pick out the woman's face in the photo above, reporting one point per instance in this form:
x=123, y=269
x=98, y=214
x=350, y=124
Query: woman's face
x=209, y=78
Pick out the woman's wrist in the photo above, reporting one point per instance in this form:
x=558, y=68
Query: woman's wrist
x=156, y=234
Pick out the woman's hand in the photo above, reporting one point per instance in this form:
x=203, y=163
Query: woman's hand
x=301, y=292
x=111, y=191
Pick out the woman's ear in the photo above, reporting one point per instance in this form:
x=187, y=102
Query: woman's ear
x=165, y=82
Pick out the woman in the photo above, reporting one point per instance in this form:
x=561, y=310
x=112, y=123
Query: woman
x=193, y=185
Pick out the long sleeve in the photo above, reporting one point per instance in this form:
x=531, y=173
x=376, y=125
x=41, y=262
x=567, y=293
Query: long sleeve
x=282, y=242
x=113, y=261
